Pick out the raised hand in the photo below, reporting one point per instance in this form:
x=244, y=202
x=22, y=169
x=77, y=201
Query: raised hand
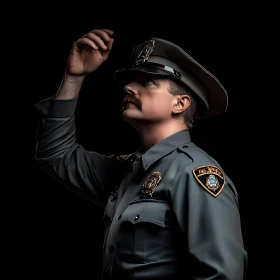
x=89, y=52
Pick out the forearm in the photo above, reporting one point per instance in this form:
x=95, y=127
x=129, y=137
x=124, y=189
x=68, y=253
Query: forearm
x=70, y=87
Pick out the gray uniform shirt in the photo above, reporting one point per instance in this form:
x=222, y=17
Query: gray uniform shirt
x=170, y=212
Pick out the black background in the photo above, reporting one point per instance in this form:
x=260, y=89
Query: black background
x=68, y=229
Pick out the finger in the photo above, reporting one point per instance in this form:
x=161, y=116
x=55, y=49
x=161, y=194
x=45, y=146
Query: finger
x=97, y=40
x=108, y=31
x=87, y=42
x=102, y=34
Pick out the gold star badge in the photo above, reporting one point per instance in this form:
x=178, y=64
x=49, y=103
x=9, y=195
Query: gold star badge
x=211, y=178
x=150, y=185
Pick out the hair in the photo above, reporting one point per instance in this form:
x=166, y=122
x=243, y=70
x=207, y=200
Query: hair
x=191, y=112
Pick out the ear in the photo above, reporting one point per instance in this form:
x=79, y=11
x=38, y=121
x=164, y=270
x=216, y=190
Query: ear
x=181, y=103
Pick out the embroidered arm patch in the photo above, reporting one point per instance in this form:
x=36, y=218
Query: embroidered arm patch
x=211, y=178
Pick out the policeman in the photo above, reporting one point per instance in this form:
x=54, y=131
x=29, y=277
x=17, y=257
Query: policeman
x=170, y=211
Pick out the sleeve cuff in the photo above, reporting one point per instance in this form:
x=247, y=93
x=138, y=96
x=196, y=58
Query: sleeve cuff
x=51, y=107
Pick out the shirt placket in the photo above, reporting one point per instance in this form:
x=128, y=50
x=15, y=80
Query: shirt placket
x=131, y=191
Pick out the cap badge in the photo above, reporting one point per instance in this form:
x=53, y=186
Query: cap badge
x=150, y=185
x=146, y=51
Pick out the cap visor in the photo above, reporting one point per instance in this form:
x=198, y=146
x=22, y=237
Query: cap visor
x=126, y=75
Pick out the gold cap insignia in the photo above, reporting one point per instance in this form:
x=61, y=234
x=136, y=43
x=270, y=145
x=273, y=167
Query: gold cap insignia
x=150, y=185
x=211, y=178
x=146, y=51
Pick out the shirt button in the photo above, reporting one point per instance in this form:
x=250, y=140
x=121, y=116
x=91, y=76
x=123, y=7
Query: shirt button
x=111, y=249
x=136, y=217
x=106, y=274
x=119, y=217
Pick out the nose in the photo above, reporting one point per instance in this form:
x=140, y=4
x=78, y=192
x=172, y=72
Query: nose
x=129, y=89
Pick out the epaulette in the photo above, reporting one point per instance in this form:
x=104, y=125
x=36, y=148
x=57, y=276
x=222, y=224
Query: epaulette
x=209, y=175
x=189, y=151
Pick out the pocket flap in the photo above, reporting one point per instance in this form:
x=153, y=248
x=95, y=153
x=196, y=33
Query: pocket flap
x=146, y=210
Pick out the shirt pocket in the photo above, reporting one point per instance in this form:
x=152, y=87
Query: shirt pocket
x=146, y=232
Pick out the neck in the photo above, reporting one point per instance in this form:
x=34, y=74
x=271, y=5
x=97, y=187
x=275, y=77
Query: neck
x=151, y=134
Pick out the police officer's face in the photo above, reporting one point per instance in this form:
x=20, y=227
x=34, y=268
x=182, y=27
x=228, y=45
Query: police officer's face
x=148, y=100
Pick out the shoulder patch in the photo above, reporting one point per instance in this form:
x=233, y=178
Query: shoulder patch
x=211, y=178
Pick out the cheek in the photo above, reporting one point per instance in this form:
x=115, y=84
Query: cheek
x=157, y=106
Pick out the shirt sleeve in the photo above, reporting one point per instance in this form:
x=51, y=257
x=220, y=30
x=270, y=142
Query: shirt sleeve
x=211, y=226
x=87, y=173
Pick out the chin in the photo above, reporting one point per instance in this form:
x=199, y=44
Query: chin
x=136, y=119
x=128, y=115
x=131, y=116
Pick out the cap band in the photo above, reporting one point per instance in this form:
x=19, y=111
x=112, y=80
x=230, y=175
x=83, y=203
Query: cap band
x=164, y=68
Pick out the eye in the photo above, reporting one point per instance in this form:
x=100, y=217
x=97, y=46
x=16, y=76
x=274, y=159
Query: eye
x=147, y=80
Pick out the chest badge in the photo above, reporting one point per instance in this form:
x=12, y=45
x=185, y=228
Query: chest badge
x=211, y=178
x=150, y=185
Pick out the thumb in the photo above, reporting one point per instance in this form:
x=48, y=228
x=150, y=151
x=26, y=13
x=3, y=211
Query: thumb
x=110, y=44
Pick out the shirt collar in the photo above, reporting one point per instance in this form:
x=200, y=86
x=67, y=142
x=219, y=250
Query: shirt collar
x=162, y=148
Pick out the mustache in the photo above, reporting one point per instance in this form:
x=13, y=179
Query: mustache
x=131, y=99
